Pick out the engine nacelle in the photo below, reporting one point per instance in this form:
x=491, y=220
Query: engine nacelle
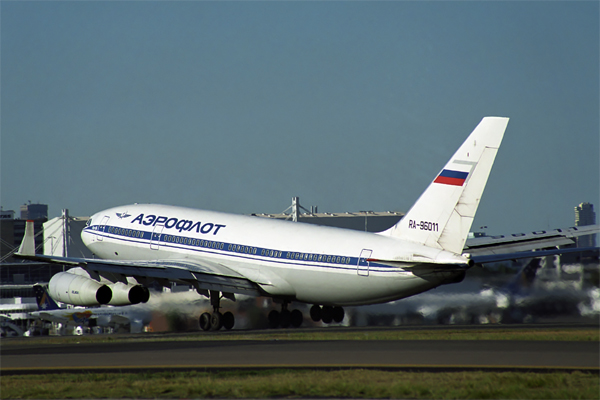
x=123, y=294
x=78, y=290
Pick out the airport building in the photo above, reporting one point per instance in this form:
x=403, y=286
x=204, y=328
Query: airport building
x=368, y=221
x=585, y=215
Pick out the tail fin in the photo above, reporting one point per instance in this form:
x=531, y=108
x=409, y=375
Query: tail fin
x=442, y=216
x=44, y=301
x=27, y=247
x=522, y=282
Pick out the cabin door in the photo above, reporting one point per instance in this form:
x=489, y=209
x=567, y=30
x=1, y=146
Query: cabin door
x=155, y=238
x=102, y=228
x=363, y=262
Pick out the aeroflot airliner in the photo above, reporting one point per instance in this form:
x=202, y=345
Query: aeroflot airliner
x=223, y=254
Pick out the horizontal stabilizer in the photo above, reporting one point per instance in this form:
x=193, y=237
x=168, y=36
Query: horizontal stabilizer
x=483, y=259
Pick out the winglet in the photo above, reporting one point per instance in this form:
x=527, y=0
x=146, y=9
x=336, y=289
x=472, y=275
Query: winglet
x=27, y=247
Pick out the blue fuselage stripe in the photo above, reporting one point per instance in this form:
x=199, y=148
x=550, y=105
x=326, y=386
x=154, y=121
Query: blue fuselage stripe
x=235, y=250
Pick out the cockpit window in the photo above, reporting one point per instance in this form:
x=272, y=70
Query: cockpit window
x=88, y=222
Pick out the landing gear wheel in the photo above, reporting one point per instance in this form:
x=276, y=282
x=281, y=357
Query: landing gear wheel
x=205, y=321
x=228, y=320
x=338, y=314
x=216, y=321
x=327, y=314
x=274, y=319
x=296, y=318
x=285, y=318
x=315, y=313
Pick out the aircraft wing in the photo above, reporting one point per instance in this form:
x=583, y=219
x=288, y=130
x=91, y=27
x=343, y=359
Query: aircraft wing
x=521, y=242
x=204, y=275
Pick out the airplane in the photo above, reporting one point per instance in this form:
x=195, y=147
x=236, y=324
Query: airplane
x=136, y=316
x=479, y=304
x=222, y=254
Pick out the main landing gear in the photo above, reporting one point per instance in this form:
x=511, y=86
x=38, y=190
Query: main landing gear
x=216, y=320
x=327, y=314
x=285, y=318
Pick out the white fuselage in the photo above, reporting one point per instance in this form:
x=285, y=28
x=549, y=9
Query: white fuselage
x=296, y=261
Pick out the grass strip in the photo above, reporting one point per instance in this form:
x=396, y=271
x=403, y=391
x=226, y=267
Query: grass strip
x=278, y=383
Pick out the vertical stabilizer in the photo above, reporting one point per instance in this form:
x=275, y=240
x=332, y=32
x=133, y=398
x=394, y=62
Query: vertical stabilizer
x=44, y=301
x=442, y=216
x=27, y=247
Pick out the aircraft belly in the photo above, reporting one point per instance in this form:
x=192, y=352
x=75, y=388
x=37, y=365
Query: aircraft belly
x=348, y=288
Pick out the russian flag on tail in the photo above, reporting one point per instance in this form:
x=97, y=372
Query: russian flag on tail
x=450, y=177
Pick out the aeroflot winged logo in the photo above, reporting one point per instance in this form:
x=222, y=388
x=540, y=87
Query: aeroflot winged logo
x=450, y=177
x=123, y=215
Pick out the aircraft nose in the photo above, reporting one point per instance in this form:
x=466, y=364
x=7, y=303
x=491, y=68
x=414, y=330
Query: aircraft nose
x=86, y=233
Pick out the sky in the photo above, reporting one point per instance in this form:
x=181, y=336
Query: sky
x=351, y=106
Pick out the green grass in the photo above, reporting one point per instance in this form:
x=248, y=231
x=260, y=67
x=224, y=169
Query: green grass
x=281, y=383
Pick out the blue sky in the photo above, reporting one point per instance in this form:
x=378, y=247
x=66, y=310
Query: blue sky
x=239, y=106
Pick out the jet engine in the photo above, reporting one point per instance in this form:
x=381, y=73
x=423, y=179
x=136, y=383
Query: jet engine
x=81, y=290
x=123, y=294
x=78, y=290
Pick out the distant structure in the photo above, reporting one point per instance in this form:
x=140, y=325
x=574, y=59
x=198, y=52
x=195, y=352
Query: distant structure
x=34, y=211
x=585, y=215
x=368, y=221
x=62, y=236
x=7, y=214
x=12, y=230
x=16, y=275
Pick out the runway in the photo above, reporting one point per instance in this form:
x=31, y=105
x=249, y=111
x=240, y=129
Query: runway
x=397, y=354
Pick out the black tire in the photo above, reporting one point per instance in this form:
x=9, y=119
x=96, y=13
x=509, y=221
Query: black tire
x=338, y=314
x=216, y=321
x=315, y=313
x=285, y=318
x=228, y=320
x=327, y=314
x=296, y=318
x=205, y=321
x=274, y=319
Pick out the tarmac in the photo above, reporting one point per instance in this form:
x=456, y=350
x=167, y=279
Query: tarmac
x=169, y=353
